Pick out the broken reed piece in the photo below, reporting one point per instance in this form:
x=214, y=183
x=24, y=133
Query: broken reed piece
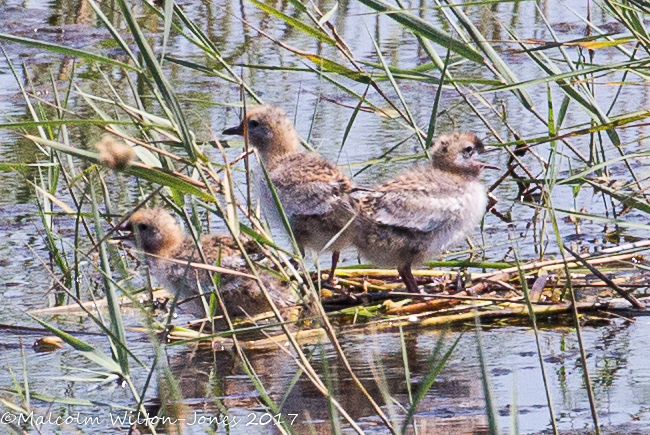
x=432, y=305
x=438, y=303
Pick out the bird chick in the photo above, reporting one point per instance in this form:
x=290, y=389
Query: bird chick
x=313, y=192
x=425, y=210
x=156, y=232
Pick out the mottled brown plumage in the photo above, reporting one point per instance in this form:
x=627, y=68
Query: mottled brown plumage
x=158, y=233
x=424, y=210
x=313, y=192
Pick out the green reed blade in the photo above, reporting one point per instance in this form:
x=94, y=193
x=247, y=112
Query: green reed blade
x=295, y=23
x=421, y=27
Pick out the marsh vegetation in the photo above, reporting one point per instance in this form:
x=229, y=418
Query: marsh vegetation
x=534, y=327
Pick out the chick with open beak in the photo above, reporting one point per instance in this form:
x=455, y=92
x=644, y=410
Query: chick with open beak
x=424, y=210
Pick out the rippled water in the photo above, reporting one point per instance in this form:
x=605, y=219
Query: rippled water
x=617, y=353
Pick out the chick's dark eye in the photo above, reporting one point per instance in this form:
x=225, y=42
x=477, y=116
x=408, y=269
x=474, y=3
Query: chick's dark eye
x=252, y=123
x=468, y=150
x=143, y=227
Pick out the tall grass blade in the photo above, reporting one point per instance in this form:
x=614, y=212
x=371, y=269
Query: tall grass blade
x=576, y=320
x=348, y=127
x=114, y=32
x=85, y=349
x=435, y=366
x=405, y=361
x=328, y=379
x=410, y=118
x=161, y=82
x=514, y=407
x=490, y=405
x=540, y=356
x=169, y=17
x=117, y=326
x=67, y=51
x=420, y=27
x=293, y=22
x=502, y=68
x=431, y=131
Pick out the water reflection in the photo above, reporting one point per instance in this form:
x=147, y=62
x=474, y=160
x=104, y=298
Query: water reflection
x=218, y=378
x=454, y=404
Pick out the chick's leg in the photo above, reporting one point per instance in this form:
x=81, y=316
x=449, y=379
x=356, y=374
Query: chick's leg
x=335, y=261
x=408, y=278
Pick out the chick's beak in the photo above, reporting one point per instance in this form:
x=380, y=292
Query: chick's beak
x=239, y=130
x=486, y=166
x=125, y=227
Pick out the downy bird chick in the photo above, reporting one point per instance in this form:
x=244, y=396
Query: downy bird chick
x=156, y=232
x=313, y=192
x=424, y=210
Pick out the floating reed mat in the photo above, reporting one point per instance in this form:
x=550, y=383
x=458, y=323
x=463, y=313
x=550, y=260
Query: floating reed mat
x=604, y=282
x=376, y=298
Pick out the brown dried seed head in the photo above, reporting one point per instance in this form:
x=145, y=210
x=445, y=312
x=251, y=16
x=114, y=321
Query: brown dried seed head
x=113, y=154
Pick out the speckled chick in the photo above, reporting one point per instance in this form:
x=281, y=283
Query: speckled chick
x=157, y=232
x=424, y=210
x=314, y=193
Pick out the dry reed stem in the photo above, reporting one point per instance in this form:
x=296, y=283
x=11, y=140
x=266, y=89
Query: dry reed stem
x=76, y=308
x=422, y=307
x=204, y=266
x=631, y=299
x=388, y=272
x=545, y=265
x=504, y=310
x=559, y=264
x=146, y=145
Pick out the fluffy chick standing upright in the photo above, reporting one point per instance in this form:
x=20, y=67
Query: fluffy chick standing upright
x=314, y=193
x=424, y=210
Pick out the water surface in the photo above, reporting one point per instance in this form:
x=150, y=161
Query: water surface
x=618, y=352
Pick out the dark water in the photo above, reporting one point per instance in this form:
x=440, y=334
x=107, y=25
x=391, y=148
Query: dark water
x=617, y=352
